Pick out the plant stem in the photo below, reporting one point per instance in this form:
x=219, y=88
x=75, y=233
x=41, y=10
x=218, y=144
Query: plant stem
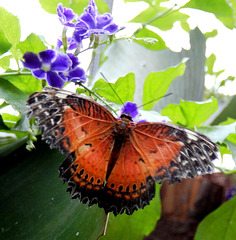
x=6, y=74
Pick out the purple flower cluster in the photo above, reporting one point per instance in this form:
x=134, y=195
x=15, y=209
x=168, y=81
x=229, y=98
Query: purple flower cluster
x=57, y=67
x=88, y=23
x=54, y=66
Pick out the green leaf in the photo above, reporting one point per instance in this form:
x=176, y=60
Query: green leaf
x=158, y=17
x=25, y=83
x=157, y=83
x=124, y=87
x=136, y=226
x=77, y=5
x=4, y=43
x=211, y=34
x=17, y=99
x=166, y=22
x=42, y=210
x=232, y=147
x=150, y=40
x=218, y=133
x=10, y=25
x=9, y=144
x=220, y=8
x=32, y=43
x=190, y=113
x=9, y=119
x=51, y=6
x=220, y=224
x=5, y=62
x=210, y=65
x=2, y=124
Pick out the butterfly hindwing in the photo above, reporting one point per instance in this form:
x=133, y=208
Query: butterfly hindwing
x=174, y=152
x=129, y=185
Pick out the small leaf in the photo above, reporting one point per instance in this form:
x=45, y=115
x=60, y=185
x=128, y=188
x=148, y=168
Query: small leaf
x=220, y=224
x=32, y=43
x=190, y=113
x=9, y=119
x=5, y=62
x=150, y=40
x=211, y=34
x=124, y=87
x=157, y=83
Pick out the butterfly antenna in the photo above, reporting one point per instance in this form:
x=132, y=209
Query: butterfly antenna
x=112, y=89
x=166, y=95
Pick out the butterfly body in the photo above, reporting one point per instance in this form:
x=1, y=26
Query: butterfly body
x=115, y=162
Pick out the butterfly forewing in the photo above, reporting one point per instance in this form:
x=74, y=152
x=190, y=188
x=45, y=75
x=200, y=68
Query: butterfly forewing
x=67, y=120
x=174, y=152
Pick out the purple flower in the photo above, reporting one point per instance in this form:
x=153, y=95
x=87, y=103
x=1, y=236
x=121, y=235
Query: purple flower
x=66, y=15
x=47, y=65
x=231, y=193
x=74, y=73
x=91, y=22
x=70, y=41
x=130, y=109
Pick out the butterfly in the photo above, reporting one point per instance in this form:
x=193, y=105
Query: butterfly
x=114, y=162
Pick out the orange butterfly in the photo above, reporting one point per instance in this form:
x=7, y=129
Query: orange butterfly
x=116, y=162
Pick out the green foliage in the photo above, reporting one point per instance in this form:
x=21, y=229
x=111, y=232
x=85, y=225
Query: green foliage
x=32, y=43
x=190, y=113
x=157, y=83
x=10, y=26
x=124, y=87
x=219, y=224
x=220, y=8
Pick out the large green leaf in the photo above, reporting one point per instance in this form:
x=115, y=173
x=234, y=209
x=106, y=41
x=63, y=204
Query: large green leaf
x=33, y=43
x=34, y=203
x=10, y=25
x=220, y=8
x=220, y=224
x=136, y=226
x=190, y=113
x=25, y=82
x=124, y=87
x=157, y=83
